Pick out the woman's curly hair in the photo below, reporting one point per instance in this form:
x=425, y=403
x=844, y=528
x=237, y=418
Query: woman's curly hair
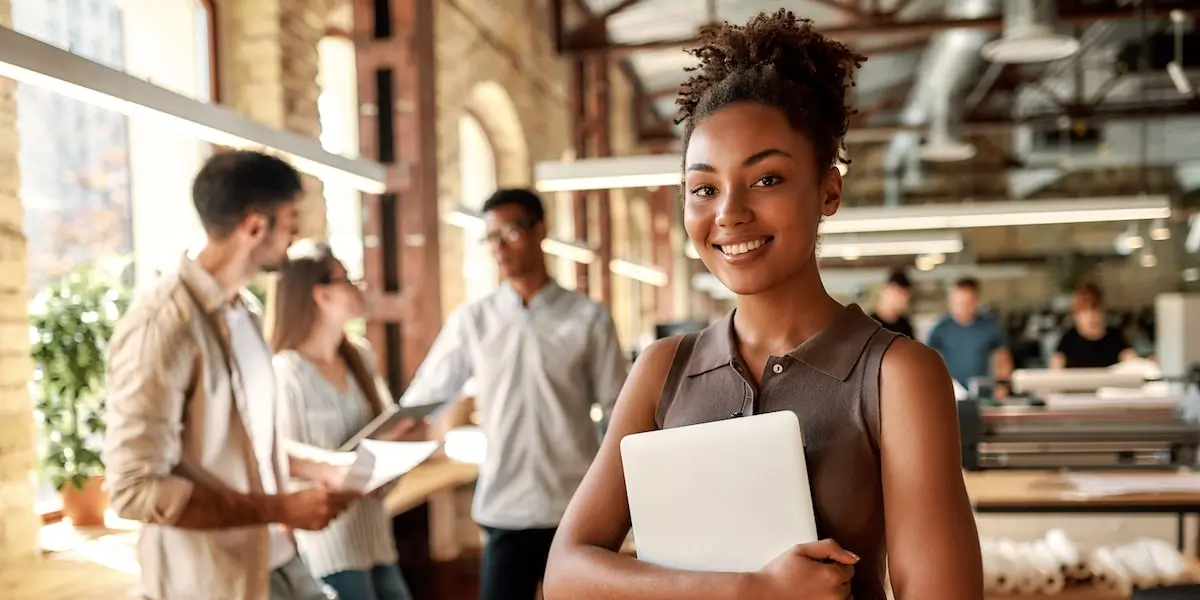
x=780, y=61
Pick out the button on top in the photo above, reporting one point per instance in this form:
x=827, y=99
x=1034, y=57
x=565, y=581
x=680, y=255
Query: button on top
x=778, y=368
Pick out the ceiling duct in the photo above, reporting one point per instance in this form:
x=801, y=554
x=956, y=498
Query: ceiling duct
x=1029, y=35
x=950, y=58
x=941, y=143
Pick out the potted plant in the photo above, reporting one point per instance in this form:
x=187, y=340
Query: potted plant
x=71, y=323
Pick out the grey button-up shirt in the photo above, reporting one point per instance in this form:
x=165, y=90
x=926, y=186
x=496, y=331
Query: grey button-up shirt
x=539, y=371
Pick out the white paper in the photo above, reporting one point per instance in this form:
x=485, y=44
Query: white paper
x=1117, y=485
x=372, y=465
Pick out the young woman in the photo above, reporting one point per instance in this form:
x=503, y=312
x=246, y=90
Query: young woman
x=765, y=113
x=1090, y=342
x=328, y=390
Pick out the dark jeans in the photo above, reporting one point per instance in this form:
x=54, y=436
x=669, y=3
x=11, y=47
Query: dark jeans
x=383, y=582
x=513, y=563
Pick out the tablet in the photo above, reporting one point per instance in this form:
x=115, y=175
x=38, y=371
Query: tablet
x=391, y=418
x=726, y=496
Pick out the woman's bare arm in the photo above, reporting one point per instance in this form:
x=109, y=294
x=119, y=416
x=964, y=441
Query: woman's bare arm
x=585, y=562
x=932, y=542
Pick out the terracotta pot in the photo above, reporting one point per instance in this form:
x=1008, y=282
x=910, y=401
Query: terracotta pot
x=85, y=507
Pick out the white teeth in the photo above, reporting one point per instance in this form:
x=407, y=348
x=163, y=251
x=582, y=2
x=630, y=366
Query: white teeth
x=736, y=249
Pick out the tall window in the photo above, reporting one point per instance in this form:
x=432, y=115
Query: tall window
x=477, y=181
x=99, y=189
x=74, y=157
x=338, y=108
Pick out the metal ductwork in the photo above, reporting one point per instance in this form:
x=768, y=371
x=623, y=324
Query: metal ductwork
x=1029, y=35
x=949, y=59
x=1051, y=155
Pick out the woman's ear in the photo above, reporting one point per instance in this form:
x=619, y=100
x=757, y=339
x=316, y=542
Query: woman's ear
x=831, y=192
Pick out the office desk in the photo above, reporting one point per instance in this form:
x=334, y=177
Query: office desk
x=1049, y=492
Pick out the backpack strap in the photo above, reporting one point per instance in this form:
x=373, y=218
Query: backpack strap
x=683, y=353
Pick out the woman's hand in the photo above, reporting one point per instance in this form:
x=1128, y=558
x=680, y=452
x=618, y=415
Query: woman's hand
x=815, y=571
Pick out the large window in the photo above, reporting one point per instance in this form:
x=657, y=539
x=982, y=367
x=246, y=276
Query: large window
x=99, y=189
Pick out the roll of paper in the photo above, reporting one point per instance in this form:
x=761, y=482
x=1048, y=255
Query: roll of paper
x=1138, y=564
x=997, y=570
x=1108, y=573
x=1169, y=564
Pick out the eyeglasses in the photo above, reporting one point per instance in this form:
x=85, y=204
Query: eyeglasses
x=331, y=280
x=505, y=235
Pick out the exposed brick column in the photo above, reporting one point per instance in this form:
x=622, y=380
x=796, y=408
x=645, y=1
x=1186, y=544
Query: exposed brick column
x=268, y=63
x=19, y=523
x=398, y=128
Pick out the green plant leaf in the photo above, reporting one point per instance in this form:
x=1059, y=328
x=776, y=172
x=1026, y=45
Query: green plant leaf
x=71, y=322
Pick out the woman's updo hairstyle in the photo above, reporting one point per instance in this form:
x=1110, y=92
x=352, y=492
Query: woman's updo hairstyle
x=776, y=60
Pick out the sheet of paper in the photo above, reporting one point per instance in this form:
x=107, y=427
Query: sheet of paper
x=377, y=463
x=372, y=465
x=1095, y=485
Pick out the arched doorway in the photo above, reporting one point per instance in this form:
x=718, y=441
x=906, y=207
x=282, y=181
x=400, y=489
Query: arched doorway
x=492, y=153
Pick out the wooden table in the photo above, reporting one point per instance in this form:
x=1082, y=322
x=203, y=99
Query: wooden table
x=432, y=476
x=1049, y=492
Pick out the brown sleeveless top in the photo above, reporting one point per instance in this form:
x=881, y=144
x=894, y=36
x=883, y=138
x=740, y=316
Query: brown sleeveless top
x=831, y=382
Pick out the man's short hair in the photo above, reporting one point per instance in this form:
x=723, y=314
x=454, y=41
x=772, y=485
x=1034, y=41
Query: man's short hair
x=233, y=185
x=526, y=199
x=967, y=283
x=899, y=279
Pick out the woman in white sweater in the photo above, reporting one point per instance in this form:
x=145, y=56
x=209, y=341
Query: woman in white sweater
x=328, y=390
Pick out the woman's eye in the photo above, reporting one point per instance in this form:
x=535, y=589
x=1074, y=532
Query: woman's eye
x=768, y=181
x=703, y=191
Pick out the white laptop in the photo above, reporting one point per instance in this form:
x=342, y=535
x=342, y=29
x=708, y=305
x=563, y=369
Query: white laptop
x=727, y=496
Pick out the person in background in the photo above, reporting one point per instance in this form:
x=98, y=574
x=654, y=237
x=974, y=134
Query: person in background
x=191, y=450
x=541, y=357
x=891, y=310
x=764, y=114
x=1090, y=342
x=328, y=391
x=971, y=344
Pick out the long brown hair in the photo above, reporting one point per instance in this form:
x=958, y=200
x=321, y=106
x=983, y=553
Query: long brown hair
x=294, y=312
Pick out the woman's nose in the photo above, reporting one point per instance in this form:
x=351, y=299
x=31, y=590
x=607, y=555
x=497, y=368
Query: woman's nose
x=732, y=209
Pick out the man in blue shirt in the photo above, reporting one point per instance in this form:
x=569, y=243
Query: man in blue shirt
x=969, y=343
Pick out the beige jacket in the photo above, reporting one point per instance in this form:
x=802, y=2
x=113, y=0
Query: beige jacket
x=174, y=423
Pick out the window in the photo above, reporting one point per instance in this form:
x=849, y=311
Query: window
x=477, y=181
x=338, y=109
x=100, y=189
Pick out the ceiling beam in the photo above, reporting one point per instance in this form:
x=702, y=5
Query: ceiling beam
x=845, y=7
x=584, y=42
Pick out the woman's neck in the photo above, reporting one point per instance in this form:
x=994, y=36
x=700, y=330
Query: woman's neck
x=780, y=319
x=322, y=343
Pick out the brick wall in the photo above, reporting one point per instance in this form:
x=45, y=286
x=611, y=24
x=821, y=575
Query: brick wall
x=18, y=522
x=268, y=65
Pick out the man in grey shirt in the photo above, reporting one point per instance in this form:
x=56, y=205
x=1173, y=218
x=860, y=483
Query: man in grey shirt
x=542, y=357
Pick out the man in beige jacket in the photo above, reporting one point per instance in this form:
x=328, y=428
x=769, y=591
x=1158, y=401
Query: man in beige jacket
x=191, y=449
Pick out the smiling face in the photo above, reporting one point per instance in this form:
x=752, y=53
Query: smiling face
x=753, y=197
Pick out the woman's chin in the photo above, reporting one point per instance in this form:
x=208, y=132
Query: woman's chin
x=743, y=286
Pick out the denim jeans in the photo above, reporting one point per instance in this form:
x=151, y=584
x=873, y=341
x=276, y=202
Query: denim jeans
x=293, y=582
x=382, y=582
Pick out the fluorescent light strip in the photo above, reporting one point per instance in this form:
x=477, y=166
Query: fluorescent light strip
x=852, y=247
x=466, y=219
x=997, y=214
x=612, y=173
x=642, y=273
x=36, y=63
